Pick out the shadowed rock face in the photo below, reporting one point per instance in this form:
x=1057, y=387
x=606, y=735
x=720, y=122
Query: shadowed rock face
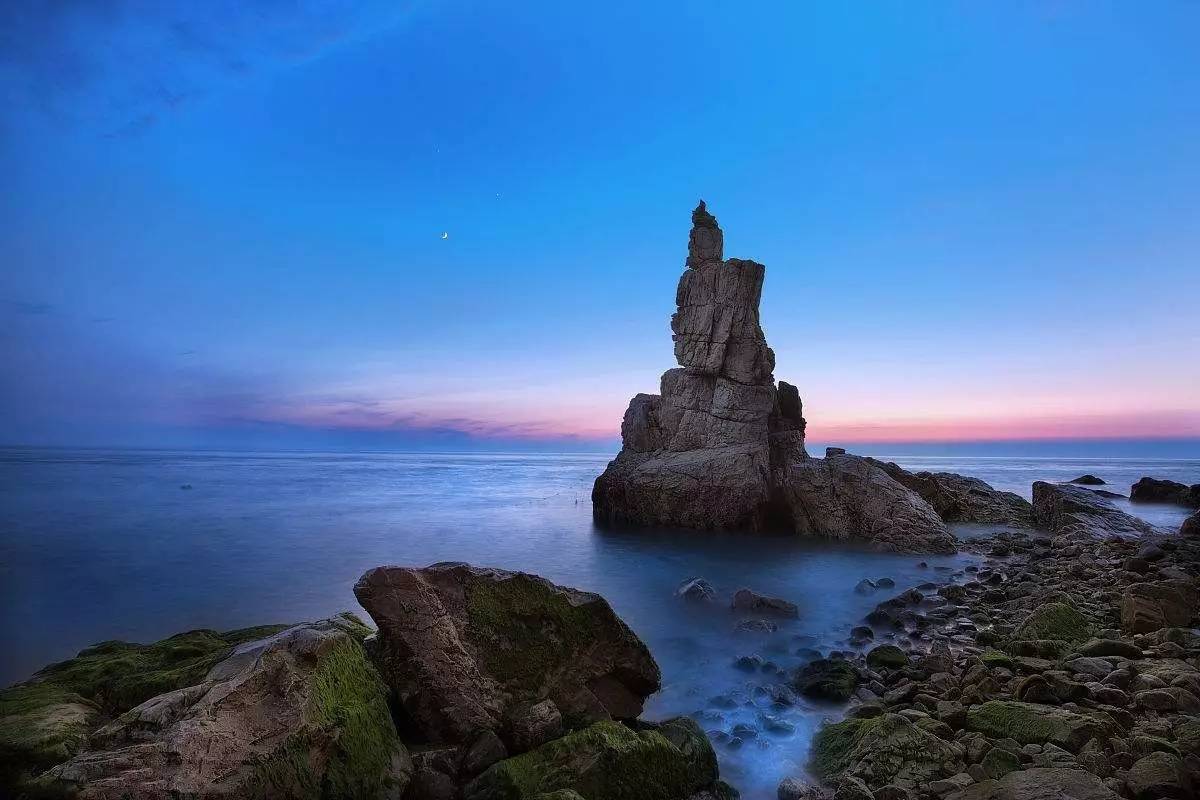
x=1154, y=490
x=959, y=498
x=1064, y=508
x=470, y=649
x=720, y=447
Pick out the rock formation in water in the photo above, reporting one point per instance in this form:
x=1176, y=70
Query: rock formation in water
x=1065, y=508
x=720, y=447
x=1156, y=490
x=961, y=498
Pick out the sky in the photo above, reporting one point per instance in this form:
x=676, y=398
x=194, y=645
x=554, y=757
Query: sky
x=460, y=224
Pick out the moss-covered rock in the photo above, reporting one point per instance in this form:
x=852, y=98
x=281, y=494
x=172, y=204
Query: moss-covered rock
x=882, y=750
x=607, y=761
x=995, y=659
x=1031, y=723
x=299, y=714
x=1057, y=622
x=47, y=719
x=41, y=724
x=887, y=656
x=827, y=679
x=465, y=648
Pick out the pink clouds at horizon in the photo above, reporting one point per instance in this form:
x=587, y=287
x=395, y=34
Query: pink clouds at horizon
x=594, y=421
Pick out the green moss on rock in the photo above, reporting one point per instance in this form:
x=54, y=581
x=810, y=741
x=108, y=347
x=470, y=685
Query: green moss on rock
x=524, y=609
x=47, y=719
x=1031, y=723
x=881, y=750
x=347, y=712
x=606, y=761
x=995, y=659
x=1058, y=622
x=887, y=656
x=828, y=679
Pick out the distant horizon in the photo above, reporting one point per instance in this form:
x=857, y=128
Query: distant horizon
x=1173, y=449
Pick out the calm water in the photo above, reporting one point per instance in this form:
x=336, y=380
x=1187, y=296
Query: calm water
x=106, y=544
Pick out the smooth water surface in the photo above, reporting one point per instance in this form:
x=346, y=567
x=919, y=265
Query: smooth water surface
x=108, y=545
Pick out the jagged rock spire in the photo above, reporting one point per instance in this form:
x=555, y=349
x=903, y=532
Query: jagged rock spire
x=706, y=244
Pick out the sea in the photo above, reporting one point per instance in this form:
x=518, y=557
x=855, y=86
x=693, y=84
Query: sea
x=140, y=544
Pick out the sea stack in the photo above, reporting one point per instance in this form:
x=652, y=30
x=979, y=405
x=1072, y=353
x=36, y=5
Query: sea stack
x=721, y=447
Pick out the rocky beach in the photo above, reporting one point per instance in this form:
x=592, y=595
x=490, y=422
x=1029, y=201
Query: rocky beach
x=1047, y=650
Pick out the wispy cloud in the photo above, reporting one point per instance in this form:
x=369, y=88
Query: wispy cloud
x=32, y=309
x=119, y=65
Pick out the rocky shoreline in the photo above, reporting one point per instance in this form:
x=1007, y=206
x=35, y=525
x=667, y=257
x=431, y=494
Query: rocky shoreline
x=1061, y=664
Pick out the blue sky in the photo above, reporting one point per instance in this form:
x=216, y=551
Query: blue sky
x=223, y=222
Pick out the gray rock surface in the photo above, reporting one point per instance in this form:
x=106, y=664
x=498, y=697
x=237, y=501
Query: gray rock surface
x=720, y=447
x=1066, y=509
x=959, y=498
x=1039, y=784
x=467, y=649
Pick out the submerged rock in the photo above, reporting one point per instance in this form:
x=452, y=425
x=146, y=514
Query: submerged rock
x=1155, y=490
x=1087, y=480
x=752, y=601
x=1065, y=509
x=467, y=649
x=721, y=447
x=300, y=713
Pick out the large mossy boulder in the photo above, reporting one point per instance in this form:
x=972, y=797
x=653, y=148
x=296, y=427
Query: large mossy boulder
x=826, y=679
x=301, y=713
x=467, y=649
x=882, y=750
x=1039, y=783
x=1057, y=623
x=608, y=761
x=46, y=719
x=1032, y=723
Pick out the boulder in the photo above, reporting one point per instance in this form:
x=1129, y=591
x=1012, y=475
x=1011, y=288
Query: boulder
x=1054, y=622
x=845, y=496
x=887, y=656
x=1087, y=480
x=883, y=749
x=1039, y=783
x=721, y=447
x=467, y=649
x=1066, y=509
x=1031, y=723
x=696, y=589
x=299, y=713
x=1157, y=775
x=1148, y=607
x=959, y=498
x=1154, y=490
x=608, y=761
x=826, y=679
x=1191, y=525
x=751, y=601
